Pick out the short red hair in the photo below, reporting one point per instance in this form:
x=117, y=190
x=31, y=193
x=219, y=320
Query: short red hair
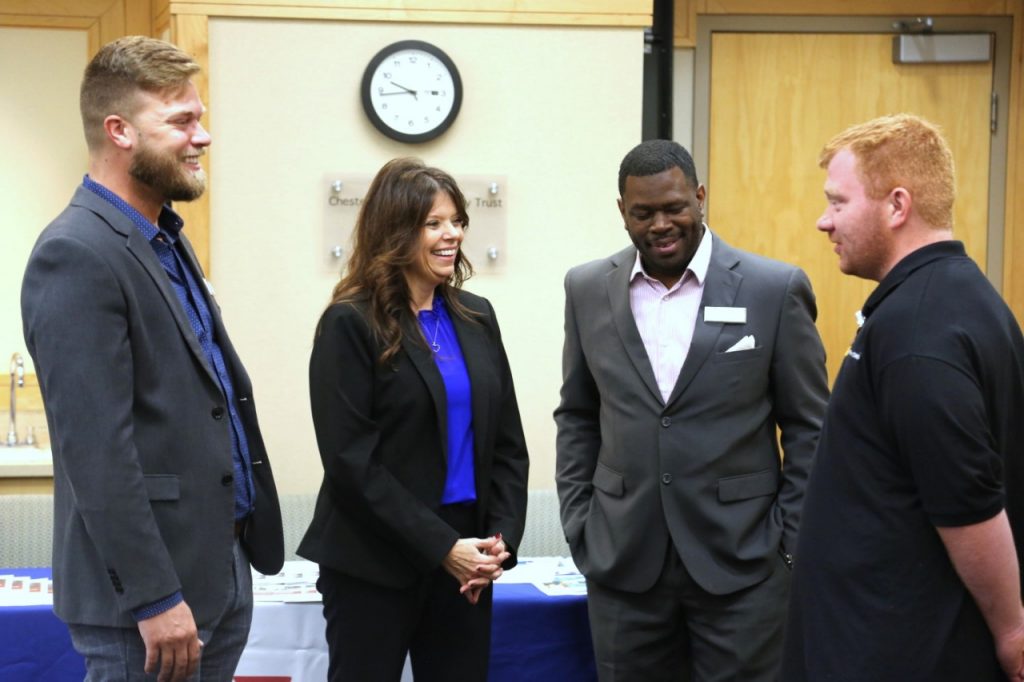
x=906, y=151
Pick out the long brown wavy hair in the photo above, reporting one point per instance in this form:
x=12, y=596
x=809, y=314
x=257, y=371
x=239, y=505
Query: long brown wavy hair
x=386, y=242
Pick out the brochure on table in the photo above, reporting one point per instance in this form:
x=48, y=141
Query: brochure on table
x=554, y=576
x=296, y=583
x=22, y=590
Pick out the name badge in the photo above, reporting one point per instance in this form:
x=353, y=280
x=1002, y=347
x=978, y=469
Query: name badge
x=726, y=315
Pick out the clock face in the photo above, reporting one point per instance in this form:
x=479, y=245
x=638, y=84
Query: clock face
x=411, y=91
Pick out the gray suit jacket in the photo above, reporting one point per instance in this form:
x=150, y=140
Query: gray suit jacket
x=142, y=458
x=702, y=471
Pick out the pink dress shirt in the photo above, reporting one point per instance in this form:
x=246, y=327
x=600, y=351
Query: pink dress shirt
x=665, y=317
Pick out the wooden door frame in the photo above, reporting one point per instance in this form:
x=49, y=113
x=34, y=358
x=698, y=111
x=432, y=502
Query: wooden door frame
x=1000, y=26
x=690, y=16
x=102, y=20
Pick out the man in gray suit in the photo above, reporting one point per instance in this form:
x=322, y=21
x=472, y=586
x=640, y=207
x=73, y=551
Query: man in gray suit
x=163, y=493
x=682, y=358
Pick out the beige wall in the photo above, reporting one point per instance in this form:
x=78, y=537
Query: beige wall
x=552, y=109
x=682, y=100
x=44, y=154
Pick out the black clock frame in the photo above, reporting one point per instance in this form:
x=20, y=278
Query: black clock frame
x=366, y=87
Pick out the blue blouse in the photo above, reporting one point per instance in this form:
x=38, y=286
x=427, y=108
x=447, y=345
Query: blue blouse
x=438, y=330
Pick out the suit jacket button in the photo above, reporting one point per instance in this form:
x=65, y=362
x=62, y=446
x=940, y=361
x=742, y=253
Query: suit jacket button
x=666, y=421
x=666, y=478
x=217, y=412
x=227, y=480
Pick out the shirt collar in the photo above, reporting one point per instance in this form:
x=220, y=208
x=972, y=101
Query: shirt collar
x=906, y=267
x=698, y=264
x=169, y=223
x=437, y=308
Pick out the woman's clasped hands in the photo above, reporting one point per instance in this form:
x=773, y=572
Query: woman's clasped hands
x=476, y=563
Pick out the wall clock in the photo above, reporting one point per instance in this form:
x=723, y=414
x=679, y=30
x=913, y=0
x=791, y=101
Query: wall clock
x=411, y=91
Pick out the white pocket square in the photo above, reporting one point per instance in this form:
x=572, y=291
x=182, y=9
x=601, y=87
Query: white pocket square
x=746, y=343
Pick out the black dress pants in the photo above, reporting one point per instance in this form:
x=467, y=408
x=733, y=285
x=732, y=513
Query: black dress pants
x=371, y=628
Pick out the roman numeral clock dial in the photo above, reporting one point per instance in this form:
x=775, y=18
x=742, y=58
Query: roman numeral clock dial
x=411, y=91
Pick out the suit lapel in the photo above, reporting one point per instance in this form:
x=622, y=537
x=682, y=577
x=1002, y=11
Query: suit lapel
x=220, y=333
x=622, y=315
x=473, y=341
x=720, y=288
x=144, y=254
x=423, y=360
x=141, y=249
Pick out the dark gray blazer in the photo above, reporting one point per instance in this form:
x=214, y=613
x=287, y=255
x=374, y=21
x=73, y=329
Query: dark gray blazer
x=142, y=463
x=702, y=471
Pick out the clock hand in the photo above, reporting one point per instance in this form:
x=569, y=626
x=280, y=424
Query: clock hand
x=411, y=92
x=385, y=94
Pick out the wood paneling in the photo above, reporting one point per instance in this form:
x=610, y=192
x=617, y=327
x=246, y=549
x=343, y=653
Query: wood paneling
x=1013, y=237
x=60, y=8
x=1013, y=244
x=684, y=24
x=104, y=20
x=521, y=12
x=191, y=32
x=26, y=486
x=138, y=17
x=854, y=7
x=764, y=147
x=161, y=17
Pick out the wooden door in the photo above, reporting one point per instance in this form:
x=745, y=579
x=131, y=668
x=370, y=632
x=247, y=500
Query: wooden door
x=776, y=98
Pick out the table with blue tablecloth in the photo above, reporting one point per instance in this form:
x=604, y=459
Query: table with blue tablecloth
x=535, y=638
x=34, y=644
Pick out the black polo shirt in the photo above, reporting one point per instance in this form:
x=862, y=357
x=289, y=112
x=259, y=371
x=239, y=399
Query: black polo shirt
x=925, y=428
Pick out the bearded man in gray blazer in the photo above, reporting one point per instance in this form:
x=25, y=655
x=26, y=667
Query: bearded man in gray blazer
x=163, y=494
x=683, y=356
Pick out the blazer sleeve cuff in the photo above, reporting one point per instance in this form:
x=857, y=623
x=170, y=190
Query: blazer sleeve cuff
x=157, y=607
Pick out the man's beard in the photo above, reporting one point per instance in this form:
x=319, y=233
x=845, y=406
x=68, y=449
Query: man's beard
x=165, y=175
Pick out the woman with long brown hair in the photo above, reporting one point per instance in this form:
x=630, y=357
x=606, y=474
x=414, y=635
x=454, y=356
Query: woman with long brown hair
x=423, y=500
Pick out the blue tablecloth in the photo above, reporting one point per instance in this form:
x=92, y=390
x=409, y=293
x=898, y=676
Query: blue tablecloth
x=535, y=638
x=34, y=644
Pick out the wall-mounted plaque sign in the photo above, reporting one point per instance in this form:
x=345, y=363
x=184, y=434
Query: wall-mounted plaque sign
x=487, y=206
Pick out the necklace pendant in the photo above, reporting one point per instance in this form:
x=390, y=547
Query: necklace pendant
x=435, y=346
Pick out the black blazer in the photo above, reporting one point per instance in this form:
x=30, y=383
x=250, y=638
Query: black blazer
x=381, y=431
